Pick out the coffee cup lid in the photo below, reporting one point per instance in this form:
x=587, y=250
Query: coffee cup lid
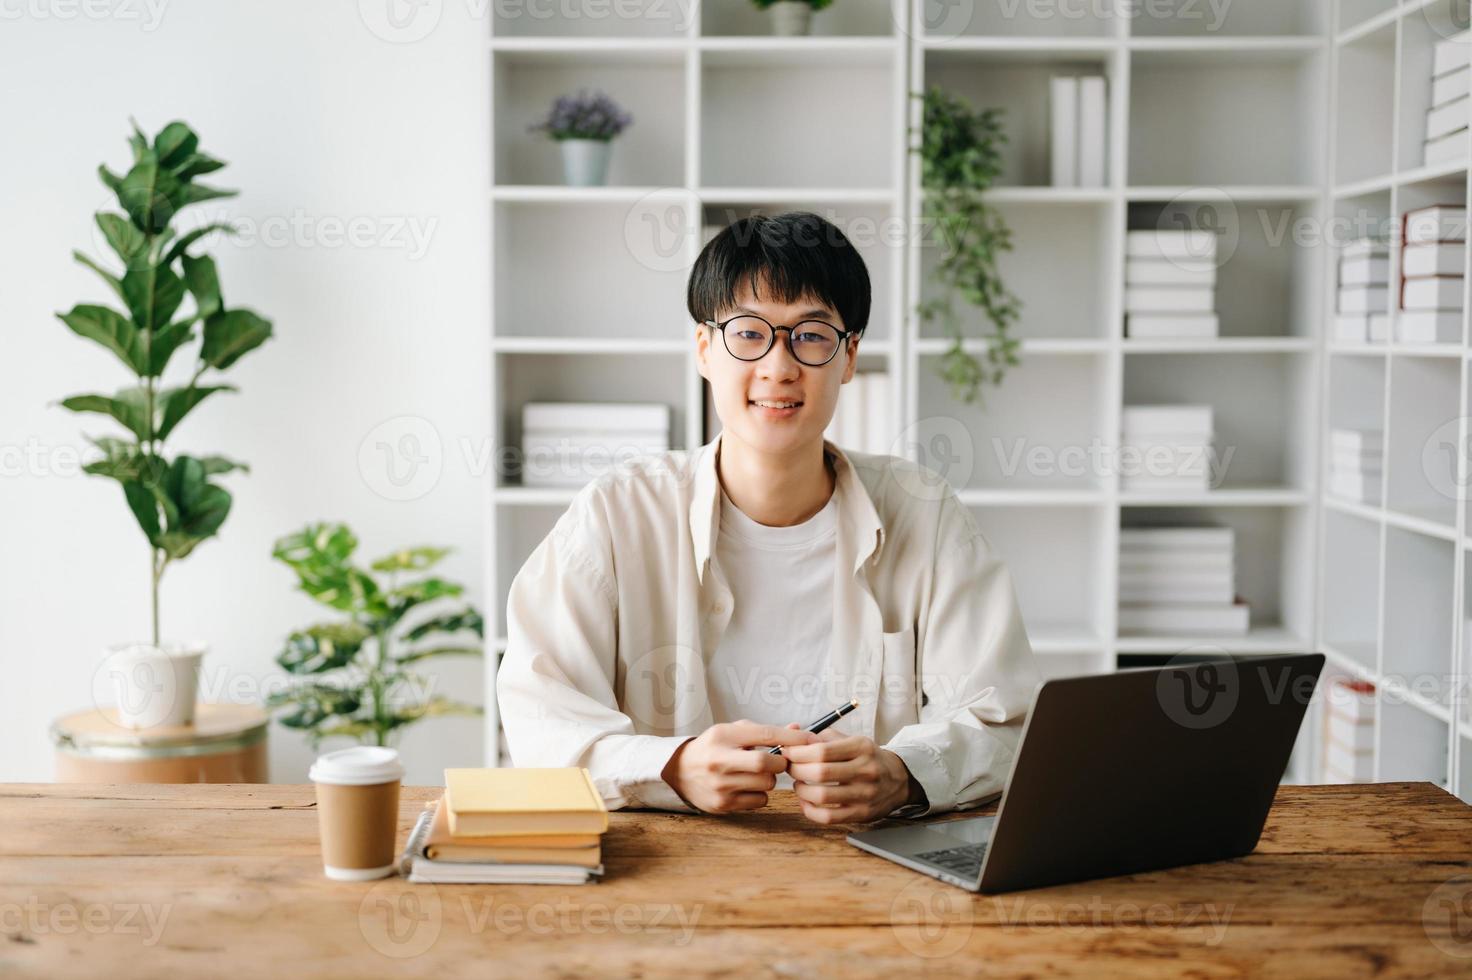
x=361, y=765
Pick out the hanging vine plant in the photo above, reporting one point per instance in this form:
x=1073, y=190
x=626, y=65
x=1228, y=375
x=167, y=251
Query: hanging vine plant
x=960, y=156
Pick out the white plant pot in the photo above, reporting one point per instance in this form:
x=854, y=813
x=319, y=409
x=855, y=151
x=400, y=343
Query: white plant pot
x=791, y=18
x=154, y=686
x=585, y=162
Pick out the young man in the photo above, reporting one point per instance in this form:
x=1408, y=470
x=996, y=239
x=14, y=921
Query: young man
x=691, y=609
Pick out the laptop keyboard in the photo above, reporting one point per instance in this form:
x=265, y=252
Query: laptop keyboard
x=964, y=860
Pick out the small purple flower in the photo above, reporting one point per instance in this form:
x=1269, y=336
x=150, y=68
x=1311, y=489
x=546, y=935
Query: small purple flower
x=584, y=117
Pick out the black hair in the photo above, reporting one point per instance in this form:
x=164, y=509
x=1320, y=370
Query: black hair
x=793, y=254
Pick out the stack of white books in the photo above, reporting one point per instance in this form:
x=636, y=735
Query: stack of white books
x=1451, y=97
x=566, y=444
x=1432, y=262
x=1170, y=284
x=1355, y=465
x=1179, y=580
x=1349, y=731
x=864, y=419
x=1078, y=119
x=1364, y=293
x=1165, y=447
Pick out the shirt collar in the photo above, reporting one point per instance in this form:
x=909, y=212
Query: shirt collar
x=857, y=519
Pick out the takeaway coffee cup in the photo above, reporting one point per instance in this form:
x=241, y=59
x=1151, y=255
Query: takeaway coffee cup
x=358, y=811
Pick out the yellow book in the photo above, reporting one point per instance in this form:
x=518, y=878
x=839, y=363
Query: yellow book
x=523, y=802
x=441, y=845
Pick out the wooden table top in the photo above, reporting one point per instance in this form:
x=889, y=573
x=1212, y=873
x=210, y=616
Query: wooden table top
x=219, y=880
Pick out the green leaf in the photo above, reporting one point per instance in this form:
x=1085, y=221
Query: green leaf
x=195, y=165
x=319, y=554
x=326, y=646
x=315, y=703
x=154, y=293
x=137, y=140
x=426, y=590
x=195, y=193
x=316, y=544
x=129, y=406
x=125, y=462
x=174, y=143
x=203, y=281
x=147, y=194
x=113, y=282
x=189, y=239
x=110, y=329
x=414, y=655
x=436, y=707
x=231, y=335
x=130, y=244
x=410, y=560
x=467, y=619
x=179, y=402
x=215, y=465
x=112, y=180
x=200, y=507
x=166, y=340
x=142, y=502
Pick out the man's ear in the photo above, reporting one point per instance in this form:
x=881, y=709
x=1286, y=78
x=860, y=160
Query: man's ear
x=702, y=349
x=853, y=359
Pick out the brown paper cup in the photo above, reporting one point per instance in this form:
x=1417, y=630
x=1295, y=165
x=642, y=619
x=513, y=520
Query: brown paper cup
x=358, y=812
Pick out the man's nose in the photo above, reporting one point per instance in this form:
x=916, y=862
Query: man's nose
x=779, y=362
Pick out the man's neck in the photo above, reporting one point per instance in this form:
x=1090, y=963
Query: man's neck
x=778, y=490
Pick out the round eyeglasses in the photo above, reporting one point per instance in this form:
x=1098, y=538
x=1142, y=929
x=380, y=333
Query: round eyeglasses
x=812, y=342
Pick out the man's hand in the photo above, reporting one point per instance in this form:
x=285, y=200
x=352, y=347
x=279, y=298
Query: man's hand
x=870, y=782
x=727, y=767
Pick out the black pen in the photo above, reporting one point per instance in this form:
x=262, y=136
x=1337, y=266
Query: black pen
x=822, y=722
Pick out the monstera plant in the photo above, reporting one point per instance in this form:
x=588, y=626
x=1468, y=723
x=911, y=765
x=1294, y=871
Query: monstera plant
x=352, y=677
x=149, y=329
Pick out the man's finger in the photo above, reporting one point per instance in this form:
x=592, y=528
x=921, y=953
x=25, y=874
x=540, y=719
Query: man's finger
x=755, y=760
x=748, y=801
x=749, y=734
x=837, y=750
x=844, y=771
x=827, y=795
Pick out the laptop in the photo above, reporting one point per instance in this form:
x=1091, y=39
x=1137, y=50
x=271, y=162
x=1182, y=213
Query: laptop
x=1126, y=772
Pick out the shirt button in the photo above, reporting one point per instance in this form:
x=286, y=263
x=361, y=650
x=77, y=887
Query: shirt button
x=718, y=608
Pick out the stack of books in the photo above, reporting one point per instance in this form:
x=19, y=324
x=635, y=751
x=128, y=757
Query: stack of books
x=1165, y=447
x=1170, y=284
x=1432, y=262
x=1355, y=465
x=566, y=444
x=864, y=418
x=1364, y=293
x=499, y=826
x=1179, y=580
x=1349, y=731
x=1079, y=145
x=1451, y=96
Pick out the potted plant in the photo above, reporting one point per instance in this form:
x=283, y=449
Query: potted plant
x=791, y=18
x=353, y=677
x=176, y=501
x=584, y=127
x=959, y=158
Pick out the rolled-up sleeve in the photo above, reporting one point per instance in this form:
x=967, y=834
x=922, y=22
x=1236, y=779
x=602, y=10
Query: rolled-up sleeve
x=556, y=683
x=976, y=673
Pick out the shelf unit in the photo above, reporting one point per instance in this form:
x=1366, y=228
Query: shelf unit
x=1392, y=596
x=718, y=104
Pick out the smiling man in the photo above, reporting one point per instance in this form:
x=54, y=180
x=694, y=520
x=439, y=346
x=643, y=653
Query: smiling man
x=694, y=608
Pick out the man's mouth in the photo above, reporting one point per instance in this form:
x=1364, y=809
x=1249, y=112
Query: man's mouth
x=774, y=403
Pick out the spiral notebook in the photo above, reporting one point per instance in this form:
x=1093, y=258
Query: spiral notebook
x=419, y=868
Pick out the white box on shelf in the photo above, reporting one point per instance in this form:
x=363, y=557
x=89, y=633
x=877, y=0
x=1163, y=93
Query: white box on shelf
x=1356, y=440
x=1371, y=270
x=1201, y=560
x=1161, y=326
x=1451, y=54
x=1379, y=328
x=1352, y=699
x=1063, y=109
x=595, y=416
x=1169, y=272
x=1448, y=118
x=1431, y=293
x=1364, y=248
x=1195, y=619
x=1169, y=299
x=1433, y=259
x=1195, y=244
x=1178, y=539
x=1436, y=223
x=1176, y=592
x=1093, y=144
x=1445, y=149
x=1428, y=327
x=1148, y=483
x=1451, y=86
x=1363, y=299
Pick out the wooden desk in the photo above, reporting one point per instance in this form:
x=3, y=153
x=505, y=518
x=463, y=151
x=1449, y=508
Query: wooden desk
x=224, y=880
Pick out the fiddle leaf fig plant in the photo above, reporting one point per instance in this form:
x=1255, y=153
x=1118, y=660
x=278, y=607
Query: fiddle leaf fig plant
x=352, y=677
x=959, y=158
x=175, y=500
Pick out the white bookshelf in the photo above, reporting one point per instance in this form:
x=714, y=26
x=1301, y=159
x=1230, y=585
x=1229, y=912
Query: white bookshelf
x=1392, y=594
x=718, y=103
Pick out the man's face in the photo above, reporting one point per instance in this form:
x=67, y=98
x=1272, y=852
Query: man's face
x=744, y=391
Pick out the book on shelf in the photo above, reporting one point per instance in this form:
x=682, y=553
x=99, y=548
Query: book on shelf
x=1364, y=248
x=1431, y=293
x=1357, y=736
x=517, y=802
x=1193, y=619
x=1451, y=86
x=1093, y=143
x=1343, y=461
x=1360, y=488
x=1193, y=244
x=1148, y=420
x=1359, y=328
x=1379, y=327
x=567, y=444
x=1428, y=327
x=863, y=420
x=1140, y=271
x=1190, y=563
x=1343, y=765
x=1169, y=299
x=1176, y=592
x=595, y=416
x=1178, y=539
x=1356, y=440
x=1370, y=270
x=1435, y=223
x=1433, y=259
x=1171, y=326
x=1451, y=54
x=1063, y=117
x=1445, y=149
x=1446, y=119
x=1363, y=299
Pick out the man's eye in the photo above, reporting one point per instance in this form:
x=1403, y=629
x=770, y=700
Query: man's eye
x=811, y=338
x=748, y=335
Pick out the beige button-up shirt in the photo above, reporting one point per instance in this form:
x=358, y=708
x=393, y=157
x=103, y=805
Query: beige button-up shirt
x=611, y=621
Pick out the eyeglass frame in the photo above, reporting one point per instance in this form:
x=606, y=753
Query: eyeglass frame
x=843, y=336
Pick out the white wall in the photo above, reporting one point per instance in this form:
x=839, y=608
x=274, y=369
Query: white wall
x=321, y=122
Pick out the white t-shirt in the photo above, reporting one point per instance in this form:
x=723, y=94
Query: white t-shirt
x=772, y=662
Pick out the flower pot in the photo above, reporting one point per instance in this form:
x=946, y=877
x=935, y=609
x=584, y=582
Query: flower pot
x=585, y=162
x=791, y=18
x=154, y=686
